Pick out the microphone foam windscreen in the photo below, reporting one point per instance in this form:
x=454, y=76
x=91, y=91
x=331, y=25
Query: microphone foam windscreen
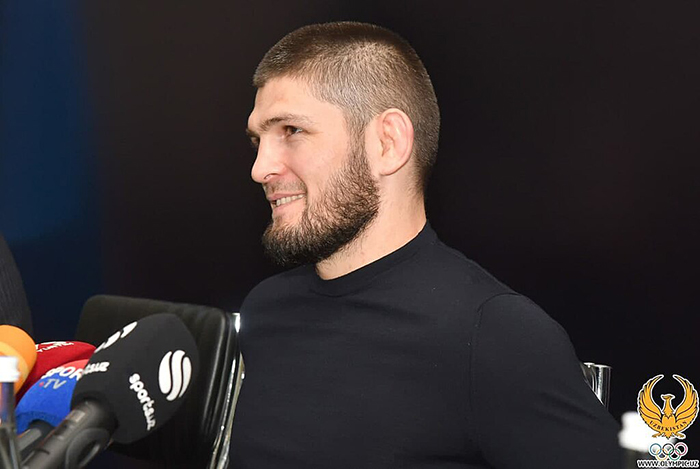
x=141, y=373
x=14, y=309
x=17, y=343
x=53, y=354
x=49, y=398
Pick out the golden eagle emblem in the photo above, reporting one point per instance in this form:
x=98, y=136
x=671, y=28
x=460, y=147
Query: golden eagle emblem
x=667, y=421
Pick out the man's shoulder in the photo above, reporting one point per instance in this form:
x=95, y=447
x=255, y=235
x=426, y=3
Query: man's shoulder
x=453, y=268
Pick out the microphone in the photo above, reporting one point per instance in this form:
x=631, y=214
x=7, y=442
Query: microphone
x=46, y=404
x=14, y=342
x=134, y=382
x=53, y=354
x=14, y=309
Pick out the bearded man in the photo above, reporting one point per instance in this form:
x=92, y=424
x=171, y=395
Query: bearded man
x=384, y=348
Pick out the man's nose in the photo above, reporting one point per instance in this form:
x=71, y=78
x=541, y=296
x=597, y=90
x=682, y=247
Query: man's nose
x=268, y=163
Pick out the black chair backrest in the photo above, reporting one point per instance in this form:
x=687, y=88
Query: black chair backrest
x=192, y=438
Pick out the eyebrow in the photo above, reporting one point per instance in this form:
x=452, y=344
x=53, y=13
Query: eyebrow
x=267, y=123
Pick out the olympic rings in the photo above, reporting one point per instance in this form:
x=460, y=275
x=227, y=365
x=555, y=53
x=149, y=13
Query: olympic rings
x=668, y=451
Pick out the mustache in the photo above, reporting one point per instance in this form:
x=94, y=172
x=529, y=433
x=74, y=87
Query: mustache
x=272, y=187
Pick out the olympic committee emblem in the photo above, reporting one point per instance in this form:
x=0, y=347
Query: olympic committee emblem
x=668, y=421
x=668, y=451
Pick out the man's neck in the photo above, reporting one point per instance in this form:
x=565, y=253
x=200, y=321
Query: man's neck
x=392, y=229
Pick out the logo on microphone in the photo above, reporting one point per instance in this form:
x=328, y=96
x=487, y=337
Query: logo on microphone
x=116, y=336
x=100, y=367
x=142, y=395
x=69, y=372
x=46, y=346
x=174, y=374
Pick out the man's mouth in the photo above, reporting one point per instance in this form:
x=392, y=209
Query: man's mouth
x=286, y=200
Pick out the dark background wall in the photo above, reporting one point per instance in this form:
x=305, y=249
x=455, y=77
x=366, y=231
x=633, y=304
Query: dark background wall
x=567, y=167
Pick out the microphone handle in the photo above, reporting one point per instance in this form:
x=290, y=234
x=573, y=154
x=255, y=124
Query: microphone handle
x=29, y=439
x=84, y=433
x=9, y=455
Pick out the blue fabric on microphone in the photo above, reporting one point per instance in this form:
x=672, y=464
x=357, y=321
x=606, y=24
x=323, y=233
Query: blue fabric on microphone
x=49, y=398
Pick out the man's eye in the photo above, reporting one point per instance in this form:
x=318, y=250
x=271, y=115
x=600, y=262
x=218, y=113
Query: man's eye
x=255, y=143
x=291, y=130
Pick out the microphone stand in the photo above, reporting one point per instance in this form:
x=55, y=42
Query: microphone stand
x=9, y=374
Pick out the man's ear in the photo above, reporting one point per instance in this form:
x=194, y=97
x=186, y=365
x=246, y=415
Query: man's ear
x=395, y=132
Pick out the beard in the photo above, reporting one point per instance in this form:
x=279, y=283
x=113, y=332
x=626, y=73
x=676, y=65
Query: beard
x=346, y=207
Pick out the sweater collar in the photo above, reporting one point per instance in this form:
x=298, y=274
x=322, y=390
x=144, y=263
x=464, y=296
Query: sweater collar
x=360, y=277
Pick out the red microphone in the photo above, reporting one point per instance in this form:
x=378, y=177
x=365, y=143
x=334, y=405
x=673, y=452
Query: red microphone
x=53, y=354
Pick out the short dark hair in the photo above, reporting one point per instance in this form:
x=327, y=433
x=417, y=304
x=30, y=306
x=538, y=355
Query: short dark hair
x=363, y=69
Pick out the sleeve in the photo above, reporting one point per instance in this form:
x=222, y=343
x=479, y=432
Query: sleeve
x=532, y=406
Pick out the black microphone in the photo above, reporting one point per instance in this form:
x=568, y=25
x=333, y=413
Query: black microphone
x=134, y=382
x=14, y=309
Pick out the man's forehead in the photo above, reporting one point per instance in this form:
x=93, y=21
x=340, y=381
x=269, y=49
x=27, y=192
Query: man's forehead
x=279, y=89
x=287, y=98
x=279, y=92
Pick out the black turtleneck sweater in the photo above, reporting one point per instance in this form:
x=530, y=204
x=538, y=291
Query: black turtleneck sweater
x=420, y=359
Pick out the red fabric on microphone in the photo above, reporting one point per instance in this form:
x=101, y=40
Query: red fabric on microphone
x=53, y=354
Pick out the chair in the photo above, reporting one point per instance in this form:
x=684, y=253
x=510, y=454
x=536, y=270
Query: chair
x=199, y=434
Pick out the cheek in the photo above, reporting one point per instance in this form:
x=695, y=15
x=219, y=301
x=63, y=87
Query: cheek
x=315, y=165
x=320, y=183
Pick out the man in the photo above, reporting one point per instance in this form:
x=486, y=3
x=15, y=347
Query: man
x=385, y=348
